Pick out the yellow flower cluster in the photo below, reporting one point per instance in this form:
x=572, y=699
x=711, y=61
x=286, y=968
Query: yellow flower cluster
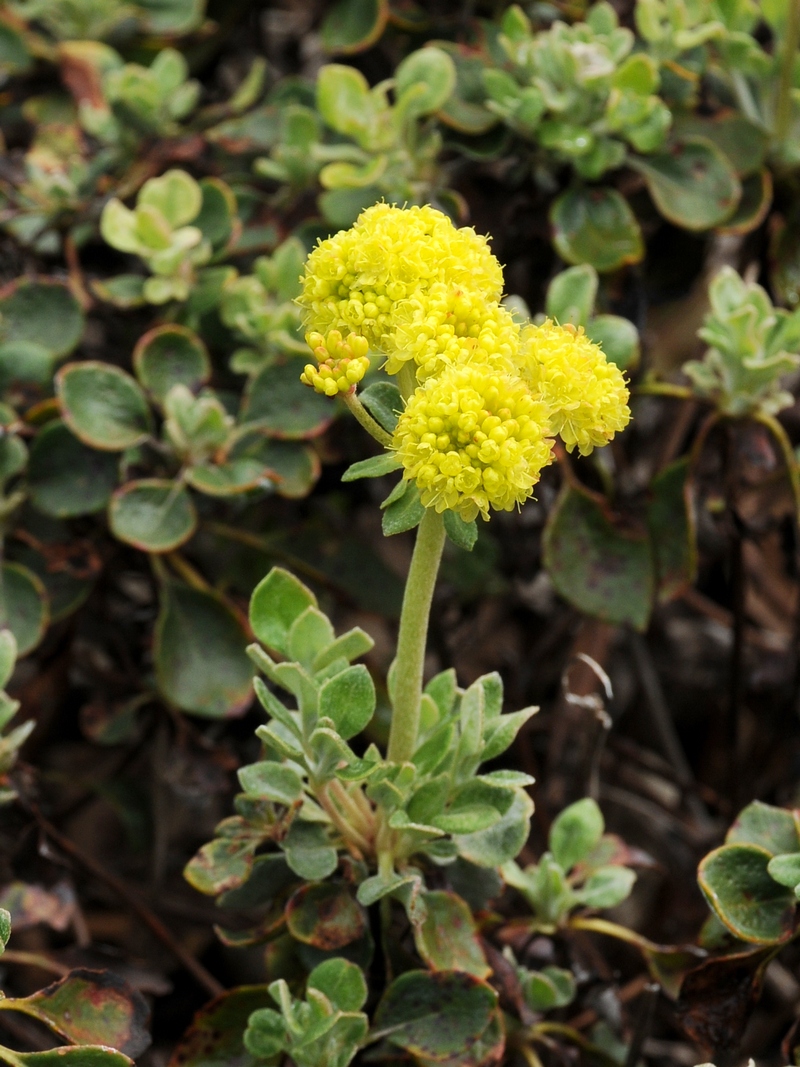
x=447, y=325
x=355, y=279
x=585, y=394
x=341, y=362
x=478, y=430
x=473, y=439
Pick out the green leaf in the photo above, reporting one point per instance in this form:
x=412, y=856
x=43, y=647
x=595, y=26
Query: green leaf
x=88, y=1007
x=170, y=355
x=501, y=731
x=42, y=312
x=786, y=870
x=308, y=852
x=693, y=185
x=575, y=832
x=199, y=652
x=123, y=291
x=448, y=938
x=268, y=878
x=349, y=646
x=273, y=781
x=175, y=194
x=436, y=1016
x=403, y=513
x=606, y=887
x=217, y=214
x=103, y=406
x=344, y=101
x=310, y=634
x=215, y=1035
x=501, y=842
x=353, y=25
x=384, y=402
x=220, y=866
x=599, y=567
x=66, y=478
x=771, y=828
x=277, y=601
x=24, y=361
x=552, y=987
x=743, y=142
x=375, y=467
x=25, y=606
x=736, y=883
x=326, y=916
x=153, y=515
x=342, y=983
x=597, y=227
x=461, y=533
x=442, y=689
x=349, y=700
x=277, y=402
x=424, y=81
x=618, y=338
x=571, y=295
x=228, y=479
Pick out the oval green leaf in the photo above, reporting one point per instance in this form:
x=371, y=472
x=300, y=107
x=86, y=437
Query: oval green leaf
x=88, y=1007
x=103, y=406
x=152, y=514
x=596, y=226
x=737, y=885
x=42, y=312
x=354, y=25
x=171, y=355
x=326, y=916
x=436, y=1016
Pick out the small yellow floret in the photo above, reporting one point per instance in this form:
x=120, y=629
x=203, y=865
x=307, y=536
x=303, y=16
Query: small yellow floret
x=585, y=394
x=450, y=324
x=342, y=362
x=354, y=280
x=473, y=439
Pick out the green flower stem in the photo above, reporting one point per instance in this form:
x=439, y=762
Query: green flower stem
x=362, y=416
x=412, y=638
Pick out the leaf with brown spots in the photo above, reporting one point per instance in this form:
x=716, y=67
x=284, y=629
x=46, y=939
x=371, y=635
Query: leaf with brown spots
x=326, y=916
x=88, y=1007
x=215, y=1037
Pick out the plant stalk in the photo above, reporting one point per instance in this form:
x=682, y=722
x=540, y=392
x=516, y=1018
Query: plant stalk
x=412, y=638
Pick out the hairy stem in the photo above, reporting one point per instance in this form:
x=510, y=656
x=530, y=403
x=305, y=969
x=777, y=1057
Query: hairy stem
x=412, y=638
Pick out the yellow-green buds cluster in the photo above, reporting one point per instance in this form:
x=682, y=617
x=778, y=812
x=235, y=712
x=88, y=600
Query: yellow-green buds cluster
x=342, y=362
x=491, y=395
